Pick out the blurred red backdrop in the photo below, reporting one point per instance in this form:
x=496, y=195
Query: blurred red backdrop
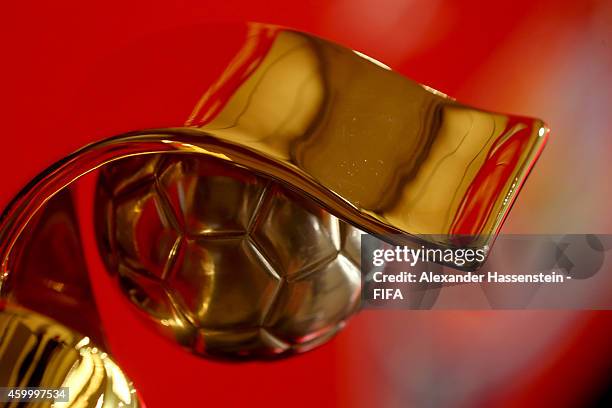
x=544, y=58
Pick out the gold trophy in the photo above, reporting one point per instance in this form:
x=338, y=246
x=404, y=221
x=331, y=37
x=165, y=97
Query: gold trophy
x=237, y=233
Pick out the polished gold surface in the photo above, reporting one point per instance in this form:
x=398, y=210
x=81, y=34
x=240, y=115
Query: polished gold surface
x=227, y=263
x=376, y=149
x=230, y=230
x=406, y=158
x=36, y=351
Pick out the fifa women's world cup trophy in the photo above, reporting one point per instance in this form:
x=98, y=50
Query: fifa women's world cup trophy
x=235, y=229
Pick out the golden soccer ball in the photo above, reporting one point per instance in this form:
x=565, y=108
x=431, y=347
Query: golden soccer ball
x=226, y=262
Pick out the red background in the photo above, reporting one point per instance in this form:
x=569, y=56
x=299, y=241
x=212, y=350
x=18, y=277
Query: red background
x=550, y=59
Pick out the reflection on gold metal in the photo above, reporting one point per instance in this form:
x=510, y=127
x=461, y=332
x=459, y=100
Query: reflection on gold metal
x=236, y=247
x=231, y=263
x=406, y=159
x=38, y=352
